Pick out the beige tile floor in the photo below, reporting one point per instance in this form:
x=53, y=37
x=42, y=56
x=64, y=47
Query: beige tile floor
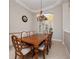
x=57, y=51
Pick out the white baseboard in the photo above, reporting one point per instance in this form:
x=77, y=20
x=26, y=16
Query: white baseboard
x=57, y=40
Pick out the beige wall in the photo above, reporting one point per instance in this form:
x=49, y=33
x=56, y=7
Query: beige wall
x=66, y=17
x=16, y=23
x=57, y=22
x=66, y=25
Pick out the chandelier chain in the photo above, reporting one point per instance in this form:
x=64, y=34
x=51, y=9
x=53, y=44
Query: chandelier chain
x=41, y=5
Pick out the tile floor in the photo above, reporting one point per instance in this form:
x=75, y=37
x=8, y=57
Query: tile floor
x=57, y=51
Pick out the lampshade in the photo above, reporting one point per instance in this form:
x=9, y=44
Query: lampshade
x=50, y=17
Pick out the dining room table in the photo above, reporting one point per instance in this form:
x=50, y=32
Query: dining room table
x=35, y=40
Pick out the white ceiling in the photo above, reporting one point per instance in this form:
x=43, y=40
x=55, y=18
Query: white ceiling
x=35, y=5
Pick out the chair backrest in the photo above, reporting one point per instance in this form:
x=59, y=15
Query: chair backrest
x=16, y=43
x=25, y=34
x=31, y=33
x=18, y=34
x=50, y=35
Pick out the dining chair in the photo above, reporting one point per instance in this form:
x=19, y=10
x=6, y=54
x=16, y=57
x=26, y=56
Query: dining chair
x=43, y=48
x=26, y=34
x=19, y=49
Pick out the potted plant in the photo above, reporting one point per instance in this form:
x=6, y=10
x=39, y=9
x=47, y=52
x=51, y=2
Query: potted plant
x=50, y=29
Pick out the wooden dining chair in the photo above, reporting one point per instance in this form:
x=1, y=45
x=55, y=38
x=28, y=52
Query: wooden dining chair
x=19, y=49
x=44, y=48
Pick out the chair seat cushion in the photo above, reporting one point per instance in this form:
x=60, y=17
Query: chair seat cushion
x=25, y=51
x=42, y=47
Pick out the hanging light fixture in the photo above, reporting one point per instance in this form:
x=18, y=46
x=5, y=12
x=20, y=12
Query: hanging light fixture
x=40, y=16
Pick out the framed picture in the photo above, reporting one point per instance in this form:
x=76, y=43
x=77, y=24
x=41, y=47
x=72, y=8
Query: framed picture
x=24, y=18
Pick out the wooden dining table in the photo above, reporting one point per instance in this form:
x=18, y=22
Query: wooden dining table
x=35, y=40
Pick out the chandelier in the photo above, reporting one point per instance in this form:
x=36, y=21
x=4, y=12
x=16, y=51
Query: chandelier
x=40, y=16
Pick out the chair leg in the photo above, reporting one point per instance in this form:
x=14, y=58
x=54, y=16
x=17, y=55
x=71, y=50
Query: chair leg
x=21, y=57
x=50, y=43
x=32, y=53
x=15, y=55
x=44, y=54
x=47, y=50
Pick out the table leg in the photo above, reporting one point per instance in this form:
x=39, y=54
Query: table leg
x=46, y=43
x=36, y=52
